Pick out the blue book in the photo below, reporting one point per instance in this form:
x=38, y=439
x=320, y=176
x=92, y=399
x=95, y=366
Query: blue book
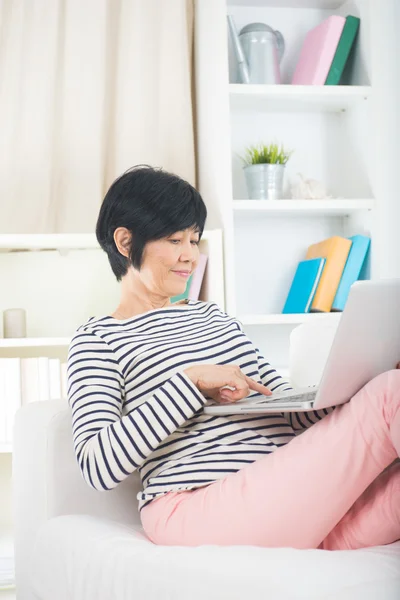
x=352, y=269
x=185, y=294
x=304, y=285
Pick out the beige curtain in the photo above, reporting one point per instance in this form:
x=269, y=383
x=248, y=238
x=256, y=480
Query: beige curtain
x=89, y=88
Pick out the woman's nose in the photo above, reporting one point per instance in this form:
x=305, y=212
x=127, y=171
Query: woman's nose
x=188, y=253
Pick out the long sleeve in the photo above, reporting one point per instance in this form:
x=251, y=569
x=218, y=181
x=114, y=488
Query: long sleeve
x=299, y=421
x=110, y=446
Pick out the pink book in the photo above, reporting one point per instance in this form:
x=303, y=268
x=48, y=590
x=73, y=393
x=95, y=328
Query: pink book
x=318, y=52
x=197, y=279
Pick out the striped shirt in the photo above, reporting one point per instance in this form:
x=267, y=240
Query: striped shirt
x=134, y=408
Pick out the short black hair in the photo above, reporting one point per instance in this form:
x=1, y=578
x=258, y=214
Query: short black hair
x=152, y=204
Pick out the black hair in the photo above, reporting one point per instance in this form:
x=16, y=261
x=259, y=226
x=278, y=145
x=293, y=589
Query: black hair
x=151, y=204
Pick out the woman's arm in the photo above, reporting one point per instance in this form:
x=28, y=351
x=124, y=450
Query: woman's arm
x=300, y=421
x=109, y=446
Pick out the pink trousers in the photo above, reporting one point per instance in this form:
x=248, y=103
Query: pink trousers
x=332, y=487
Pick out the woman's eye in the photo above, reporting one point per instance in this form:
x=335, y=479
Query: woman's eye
x=178, y=241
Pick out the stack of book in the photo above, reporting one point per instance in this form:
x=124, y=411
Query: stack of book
x=322, y=281
x=25, y=380
x=7, y=575
x=193, y=286
x=326, y=51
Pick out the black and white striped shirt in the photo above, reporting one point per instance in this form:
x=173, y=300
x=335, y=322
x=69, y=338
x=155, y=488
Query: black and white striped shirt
x=134, y=408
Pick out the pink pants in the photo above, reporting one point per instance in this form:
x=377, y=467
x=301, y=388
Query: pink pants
x=328, y=488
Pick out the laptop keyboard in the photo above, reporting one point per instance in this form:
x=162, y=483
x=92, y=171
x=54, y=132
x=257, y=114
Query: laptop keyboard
x=289, y=396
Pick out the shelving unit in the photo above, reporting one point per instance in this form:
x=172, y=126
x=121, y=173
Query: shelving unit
x=297, y=98
x=47, y=241
x=61, y=280
x=309, y=208
x=340, y=136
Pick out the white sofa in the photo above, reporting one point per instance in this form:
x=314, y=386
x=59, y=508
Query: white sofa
x=79, y=544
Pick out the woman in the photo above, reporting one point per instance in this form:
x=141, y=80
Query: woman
x=139, y=379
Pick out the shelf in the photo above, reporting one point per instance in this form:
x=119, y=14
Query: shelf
x=303, y=207
x=33, y=342
x=66, y=241
x=48, y=241
x=321, y=4
x=280, y=319
x=296, y=98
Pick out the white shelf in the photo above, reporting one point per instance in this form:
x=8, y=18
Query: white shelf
x=303, y=207
x=65, y=241
x=34, y=342
x=296, y=98
x=48, y=241
x=280, y=319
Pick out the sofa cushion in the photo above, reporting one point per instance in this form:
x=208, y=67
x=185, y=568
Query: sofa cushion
x=82, y=557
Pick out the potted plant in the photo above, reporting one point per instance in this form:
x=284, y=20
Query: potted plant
x=264, y=169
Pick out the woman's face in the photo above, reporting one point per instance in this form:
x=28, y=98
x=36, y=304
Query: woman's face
x=168, y=263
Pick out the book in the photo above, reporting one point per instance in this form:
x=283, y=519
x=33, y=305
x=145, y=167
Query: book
x=12, y=393
x=343, y=50
x=29, y=380
x=35, y=379
x=194, y=282
x=3, y=405
x=351, y=272
x=44, y=377
x=335, y=250
x=304, y=285
x=185, y=294
x=55, y=378
x=197, y=278
x=318, y=51
x=64, y=381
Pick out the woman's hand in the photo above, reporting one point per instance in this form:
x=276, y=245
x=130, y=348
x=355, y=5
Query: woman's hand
x=212, y=381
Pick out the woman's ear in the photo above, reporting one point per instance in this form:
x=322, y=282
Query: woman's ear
x=122, y=239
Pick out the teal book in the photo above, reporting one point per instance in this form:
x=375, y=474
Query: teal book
x=304, y=285
x=343, y=50
x=352, y=269
x=185, y=294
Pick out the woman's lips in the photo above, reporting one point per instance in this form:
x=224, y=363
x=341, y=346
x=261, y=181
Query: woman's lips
x=184, y=274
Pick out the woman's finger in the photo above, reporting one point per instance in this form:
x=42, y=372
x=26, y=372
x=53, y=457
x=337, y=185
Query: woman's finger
x=257, y=387
x=235, y=389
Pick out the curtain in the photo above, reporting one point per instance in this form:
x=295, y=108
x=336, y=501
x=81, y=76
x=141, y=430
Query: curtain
x=89, y=88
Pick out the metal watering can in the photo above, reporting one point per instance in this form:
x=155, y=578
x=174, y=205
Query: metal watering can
x=259, y=50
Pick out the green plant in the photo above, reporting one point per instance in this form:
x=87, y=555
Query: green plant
x=266, y=153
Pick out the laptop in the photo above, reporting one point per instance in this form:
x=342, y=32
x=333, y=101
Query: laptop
x=366, y=343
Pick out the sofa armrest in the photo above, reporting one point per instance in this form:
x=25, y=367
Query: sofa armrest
x=47, y=481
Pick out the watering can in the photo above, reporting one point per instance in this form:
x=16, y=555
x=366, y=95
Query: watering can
x=259, y=50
